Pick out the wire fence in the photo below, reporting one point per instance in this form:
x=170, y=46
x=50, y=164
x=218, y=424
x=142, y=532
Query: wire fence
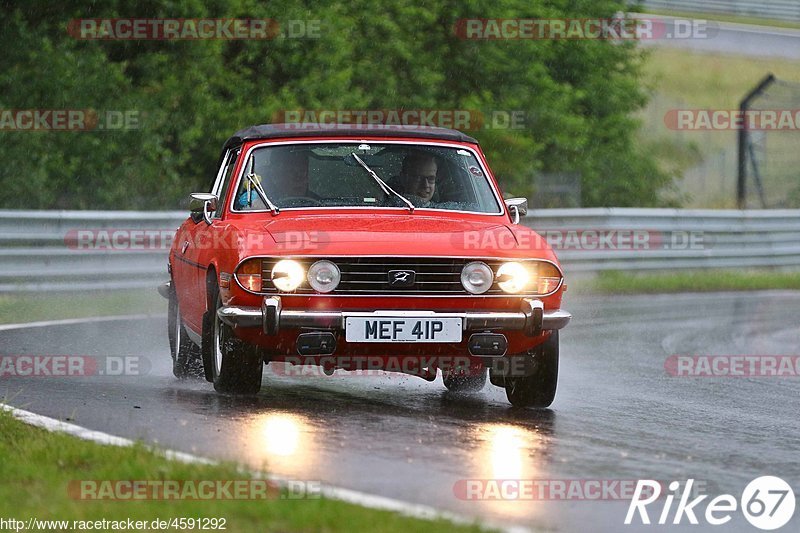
x=771, y=154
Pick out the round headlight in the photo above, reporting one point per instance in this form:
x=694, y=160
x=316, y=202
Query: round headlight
x=512, y=277
x=287, y=275
x=477, y=277
x=324, y=276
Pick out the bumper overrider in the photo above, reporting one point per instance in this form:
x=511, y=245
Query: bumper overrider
x=532, y=319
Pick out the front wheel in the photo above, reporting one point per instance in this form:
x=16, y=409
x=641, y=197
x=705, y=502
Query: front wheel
x=236, y=367
x=538, y=389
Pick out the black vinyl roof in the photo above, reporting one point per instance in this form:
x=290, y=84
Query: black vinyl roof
x=276, y=131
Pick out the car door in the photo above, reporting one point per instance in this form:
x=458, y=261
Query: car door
x=197, y=250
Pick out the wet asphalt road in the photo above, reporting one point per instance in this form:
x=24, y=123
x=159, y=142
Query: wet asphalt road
x=618, y=414
x=711, y=36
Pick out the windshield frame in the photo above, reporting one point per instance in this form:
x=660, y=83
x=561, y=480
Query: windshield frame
x=240, y=175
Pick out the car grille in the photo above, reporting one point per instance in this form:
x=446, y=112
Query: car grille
x=370, y=275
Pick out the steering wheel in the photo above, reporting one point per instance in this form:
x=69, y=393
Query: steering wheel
x=304, y=201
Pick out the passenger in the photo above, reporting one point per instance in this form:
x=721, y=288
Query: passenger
x=287, y=177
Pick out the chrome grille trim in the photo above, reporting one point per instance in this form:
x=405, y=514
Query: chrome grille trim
x=379, y=266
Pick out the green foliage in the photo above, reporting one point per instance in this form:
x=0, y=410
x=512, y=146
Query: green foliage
x=578, y=97
x=620, y=282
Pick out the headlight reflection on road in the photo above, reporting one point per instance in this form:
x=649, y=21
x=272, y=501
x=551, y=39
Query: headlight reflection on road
x=506, y=448
x=508, y=452
x=281, y=434
x=283, y=442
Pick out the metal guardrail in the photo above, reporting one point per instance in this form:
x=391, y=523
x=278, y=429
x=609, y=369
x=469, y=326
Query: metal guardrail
x=675, y=238
x=40, y=250
x=788, y=10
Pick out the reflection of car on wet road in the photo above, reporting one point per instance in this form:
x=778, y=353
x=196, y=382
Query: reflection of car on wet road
x=379, y=248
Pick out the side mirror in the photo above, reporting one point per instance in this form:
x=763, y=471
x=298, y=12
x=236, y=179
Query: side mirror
x=517, y=206
x=201, y=205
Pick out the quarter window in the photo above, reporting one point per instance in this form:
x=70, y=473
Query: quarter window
x=227, y=172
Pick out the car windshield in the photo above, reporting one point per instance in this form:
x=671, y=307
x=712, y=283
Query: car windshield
x=332, y=175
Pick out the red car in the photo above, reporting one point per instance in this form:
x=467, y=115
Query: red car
x=363, y=248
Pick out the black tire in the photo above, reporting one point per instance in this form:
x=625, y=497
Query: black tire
x=236, y=367
x=207, y=349
x=460, y=382
x=539, y=388
x=186, y=362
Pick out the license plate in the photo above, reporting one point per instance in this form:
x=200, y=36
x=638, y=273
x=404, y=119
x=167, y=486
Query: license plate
x=395, y=329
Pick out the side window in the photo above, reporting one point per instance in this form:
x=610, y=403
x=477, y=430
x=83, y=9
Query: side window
x=225, y=182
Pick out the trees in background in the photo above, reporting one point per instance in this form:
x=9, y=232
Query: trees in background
x=577, y=97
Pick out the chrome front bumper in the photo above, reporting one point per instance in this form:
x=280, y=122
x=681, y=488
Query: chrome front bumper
x=271, y=317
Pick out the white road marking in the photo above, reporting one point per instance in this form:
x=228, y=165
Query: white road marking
x=72, y=321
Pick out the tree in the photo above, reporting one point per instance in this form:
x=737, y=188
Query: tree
x=577, y=97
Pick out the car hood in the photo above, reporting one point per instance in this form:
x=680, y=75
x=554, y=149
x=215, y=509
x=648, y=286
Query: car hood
x=392, y=235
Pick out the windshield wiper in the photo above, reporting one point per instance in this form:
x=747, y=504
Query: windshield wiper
x=383, y=185
x=256, y=184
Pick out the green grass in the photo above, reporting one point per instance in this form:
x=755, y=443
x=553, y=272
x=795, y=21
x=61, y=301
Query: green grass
x=27, y=307
x=37, y=467
x=717, y=81
x=615, y=282
x=722, y=17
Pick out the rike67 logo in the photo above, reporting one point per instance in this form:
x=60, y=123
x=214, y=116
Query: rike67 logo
x=767, y=502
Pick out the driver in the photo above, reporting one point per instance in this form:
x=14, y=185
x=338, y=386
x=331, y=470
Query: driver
x=418, y=178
